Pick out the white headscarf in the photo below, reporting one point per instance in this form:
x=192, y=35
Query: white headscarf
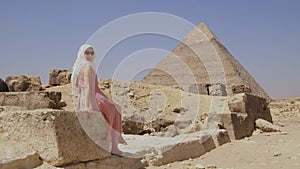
x=78, y=65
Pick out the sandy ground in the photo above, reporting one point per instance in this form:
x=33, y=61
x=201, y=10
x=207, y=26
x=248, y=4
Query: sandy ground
x=260, y=151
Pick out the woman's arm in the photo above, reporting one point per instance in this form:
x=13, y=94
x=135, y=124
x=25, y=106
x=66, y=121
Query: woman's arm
x=89, y=85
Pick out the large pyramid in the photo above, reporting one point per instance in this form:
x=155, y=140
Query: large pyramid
x=201, y=60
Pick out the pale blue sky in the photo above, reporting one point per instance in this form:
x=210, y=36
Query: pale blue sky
x=37, y=36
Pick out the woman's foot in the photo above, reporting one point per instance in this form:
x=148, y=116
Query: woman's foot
x=117, y=152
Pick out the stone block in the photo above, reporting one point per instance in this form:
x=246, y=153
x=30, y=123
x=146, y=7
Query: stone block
x=199, y=88
x=220, y=137
x=217, y=89
x=240, y=88
x=56, y=135
x=23, y=83
x=14, y=155
x=266, y=126
x=59, y=77
x=238, y=125
x=251, y=104
x=183, y=150
x=31, y=100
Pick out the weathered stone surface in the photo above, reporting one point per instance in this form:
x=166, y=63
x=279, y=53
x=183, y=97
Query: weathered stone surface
x=250, y=104
x=199, y=88
x=3, y=86
x=56, y=135
x=163, y=150
x=266, y=126
x=217, y=89
x=133, y=124
x=23, y=83
x=238, y=125
x=15, y=155
x=220, y=137
x=59, y=77
x=117, y=163
x=31, y=100
x=74, y=166
x=240, y=88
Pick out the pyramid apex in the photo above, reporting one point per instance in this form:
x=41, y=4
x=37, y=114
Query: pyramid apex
x=209, y=34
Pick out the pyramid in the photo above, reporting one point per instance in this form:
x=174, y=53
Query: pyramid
x=200, y=61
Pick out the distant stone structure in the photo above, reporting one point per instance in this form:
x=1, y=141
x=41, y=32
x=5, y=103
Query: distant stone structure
x=59, y=77
x=23, y=83
x=171, y=72
x=3, y=86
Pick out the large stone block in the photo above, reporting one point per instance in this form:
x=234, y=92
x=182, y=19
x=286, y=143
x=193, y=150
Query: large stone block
x=31, y=100
x=250, y=104
x=23, y=83
x=14, y=155
x=56, y=135
x=238, y=125
x=59, y=77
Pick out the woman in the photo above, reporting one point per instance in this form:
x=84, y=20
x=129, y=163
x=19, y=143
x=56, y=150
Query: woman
x=90, y=98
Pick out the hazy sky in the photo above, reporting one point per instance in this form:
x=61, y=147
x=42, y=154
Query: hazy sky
x=37, y=36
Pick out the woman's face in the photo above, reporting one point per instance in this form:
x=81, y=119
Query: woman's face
x=89, y=54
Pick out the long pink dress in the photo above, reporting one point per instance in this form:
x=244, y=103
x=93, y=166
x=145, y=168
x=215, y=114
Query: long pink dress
x=92, y=97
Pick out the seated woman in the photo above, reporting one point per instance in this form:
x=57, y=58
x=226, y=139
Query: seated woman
x=91, y=99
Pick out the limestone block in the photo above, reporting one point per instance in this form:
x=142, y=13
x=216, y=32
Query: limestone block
x=74, y=166
x=59, y=77
x=23, y=83
x=199, y=88
x=3, y=86
x=220, y=137
x=217, y=89
x=56, y=135
x=31, y=100
x=251, y=104
x=266, y=126
x=238, y=125
x=240, y=88
x=15, y=155
x=189, y=148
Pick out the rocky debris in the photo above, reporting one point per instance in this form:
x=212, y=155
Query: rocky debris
x=31, y=100
x=133, y=124
x=199, y=166
x=250, y=104
x=240, y=88
x=3, y=86
x=23, y=83
x=220, y=137
x=266, y=126
x=59, y=77
x=285, y=108
x=211, y=166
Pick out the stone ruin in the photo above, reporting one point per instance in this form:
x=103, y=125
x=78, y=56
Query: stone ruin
x=162, y=124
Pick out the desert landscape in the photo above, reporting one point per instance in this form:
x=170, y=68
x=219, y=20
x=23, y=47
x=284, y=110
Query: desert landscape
x=169, y=120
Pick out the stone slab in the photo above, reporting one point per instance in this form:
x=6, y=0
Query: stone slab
x=56, y=135
x=31, y=100
x=163, y=150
